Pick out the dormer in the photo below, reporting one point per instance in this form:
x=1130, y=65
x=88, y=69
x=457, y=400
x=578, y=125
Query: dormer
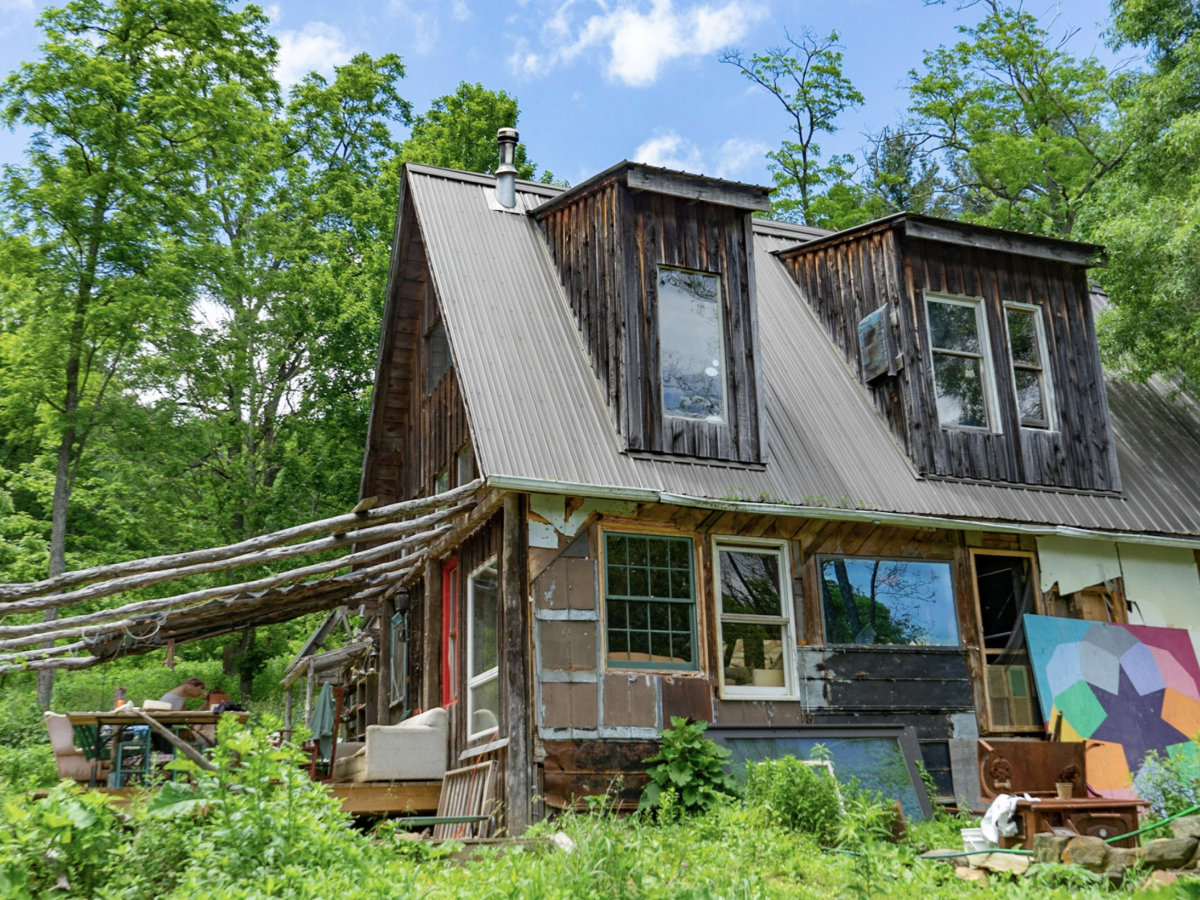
x=977, y=345
x=658, y=269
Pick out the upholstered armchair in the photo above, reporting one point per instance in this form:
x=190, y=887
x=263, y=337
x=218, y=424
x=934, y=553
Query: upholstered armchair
x=414, y=750
x=70, y=760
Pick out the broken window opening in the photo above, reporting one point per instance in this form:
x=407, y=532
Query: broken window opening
x=1006, y=590
x=438, y=358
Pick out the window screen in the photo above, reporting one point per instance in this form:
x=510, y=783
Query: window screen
x=888, y=601
x=691, y=349
x=959, y=363
x=649, y=602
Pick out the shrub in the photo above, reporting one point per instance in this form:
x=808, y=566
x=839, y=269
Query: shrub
x=796, y=796
x=1170, y=784
x=690, y=771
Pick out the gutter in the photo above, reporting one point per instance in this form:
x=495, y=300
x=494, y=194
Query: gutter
x=831, y=513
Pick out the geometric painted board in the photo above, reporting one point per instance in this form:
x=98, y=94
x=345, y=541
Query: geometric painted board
x=1130, y=688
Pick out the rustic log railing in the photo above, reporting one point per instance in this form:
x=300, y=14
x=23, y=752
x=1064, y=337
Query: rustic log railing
x=387, y=544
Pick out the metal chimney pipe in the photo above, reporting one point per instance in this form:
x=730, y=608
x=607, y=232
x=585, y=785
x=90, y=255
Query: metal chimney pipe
x=506, y=172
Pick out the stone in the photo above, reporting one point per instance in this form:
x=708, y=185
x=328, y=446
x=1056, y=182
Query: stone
x=1186, y=827
x=1169, y=853
x=1013, y=863
x=1158, y=880
x=1086, y=851
x=1048, y=847
x=1121, y=858
x=966, y=873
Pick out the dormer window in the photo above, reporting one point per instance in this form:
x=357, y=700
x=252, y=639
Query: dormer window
x=1027, y=343
x=961, y=369
x=692, y=352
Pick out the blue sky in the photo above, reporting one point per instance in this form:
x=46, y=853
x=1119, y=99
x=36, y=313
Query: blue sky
x=604, y=80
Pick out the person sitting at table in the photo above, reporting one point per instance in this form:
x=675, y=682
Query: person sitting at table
x=189, y=690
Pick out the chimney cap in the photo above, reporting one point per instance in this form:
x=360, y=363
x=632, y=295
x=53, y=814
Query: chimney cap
x=507, y=134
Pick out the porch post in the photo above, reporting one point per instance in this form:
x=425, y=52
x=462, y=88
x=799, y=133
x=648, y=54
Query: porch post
x=514, y=704
x=431, y=675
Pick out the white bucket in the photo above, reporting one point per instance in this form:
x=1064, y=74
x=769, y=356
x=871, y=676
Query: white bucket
x=974, y=841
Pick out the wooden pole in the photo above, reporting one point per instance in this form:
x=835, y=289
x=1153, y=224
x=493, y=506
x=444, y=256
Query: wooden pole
x=514, y=703
x=431, y=671
x=182, y=746
x=383, y=665
x=333, y=525
x=287, y=709
x=308, y=695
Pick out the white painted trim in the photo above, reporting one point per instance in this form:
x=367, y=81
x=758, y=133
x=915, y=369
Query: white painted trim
x=772, y=546
x=492, y=674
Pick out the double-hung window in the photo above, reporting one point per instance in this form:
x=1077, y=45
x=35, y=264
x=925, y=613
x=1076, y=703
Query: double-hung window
x=961, y=368
x=754, y=627
x=483, y=650
x=649, y=602
x=1027, y=343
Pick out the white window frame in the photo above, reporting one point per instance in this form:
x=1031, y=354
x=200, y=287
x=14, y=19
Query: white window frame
x=1048, y=405
x=987, y=365
x=790, y=689
x=492, y=674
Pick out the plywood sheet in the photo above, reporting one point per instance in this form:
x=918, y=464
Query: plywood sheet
x=1075, y=563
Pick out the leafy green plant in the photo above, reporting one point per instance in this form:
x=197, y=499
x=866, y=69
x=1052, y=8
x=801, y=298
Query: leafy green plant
x=795, y=795
x=1170, y=784
x=866, y=831
x=691, y=765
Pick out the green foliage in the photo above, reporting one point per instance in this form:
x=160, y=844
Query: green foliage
x=1149, y=215
x=1025, y=127
x=459, y=132
x=806, y=77
x=1170, y=784
x=795, y=796
x=688, y=771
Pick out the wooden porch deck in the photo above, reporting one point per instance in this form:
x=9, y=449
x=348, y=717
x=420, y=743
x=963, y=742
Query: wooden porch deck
x=369, y=799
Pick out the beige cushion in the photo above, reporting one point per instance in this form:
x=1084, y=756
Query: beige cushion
x=414, y=750
x=62, y=735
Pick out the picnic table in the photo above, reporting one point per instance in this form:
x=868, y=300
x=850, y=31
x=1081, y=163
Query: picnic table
x=118, y=721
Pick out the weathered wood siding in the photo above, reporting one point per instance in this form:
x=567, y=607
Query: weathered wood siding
x=607, y=245
x=845, y=280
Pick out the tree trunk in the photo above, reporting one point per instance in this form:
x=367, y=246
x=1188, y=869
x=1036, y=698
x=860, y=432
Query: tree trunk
x=847, y=592
x=245, y=674
x=58, y=550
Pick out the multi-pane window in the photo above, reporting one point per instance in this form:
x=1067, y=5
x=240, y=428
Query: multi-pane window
x=441, y=481
x=888, y=601
x=692, y=354
x=649, y=601
x=483, y=650
x=958, y=340
x=755, y=629
x=1027, y=343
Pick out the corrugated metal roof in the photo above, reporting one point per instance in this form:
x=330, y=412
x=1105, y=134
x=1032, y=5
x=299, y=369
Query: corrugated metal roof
x=537, y=412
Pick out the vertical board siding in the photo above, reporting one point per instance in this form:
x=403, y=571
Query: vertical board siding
x=846, y=280
x=607, y=246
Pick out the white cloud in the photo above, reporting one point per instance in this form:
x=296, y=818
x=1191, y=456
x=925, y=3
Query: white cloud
x=735, y=159
x=16, y=6
x=461, y=11
x=638, y=40
x=317, y=47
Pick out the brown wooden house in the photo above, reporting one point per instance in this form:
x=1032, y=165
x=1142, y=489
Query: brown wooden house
x=751, y=472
